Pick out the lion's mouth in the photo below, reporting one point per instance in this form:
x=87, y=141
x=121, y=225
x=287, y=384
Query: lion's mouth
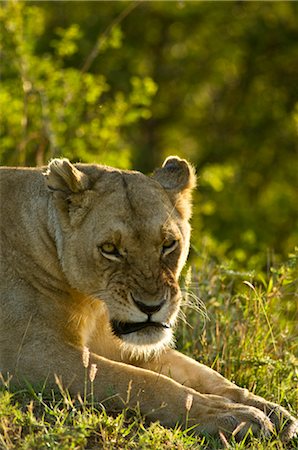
x=122, y=328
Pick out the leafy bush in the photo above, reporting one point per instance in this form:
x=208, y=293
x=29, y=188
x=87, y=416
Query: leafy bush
x=50, y=108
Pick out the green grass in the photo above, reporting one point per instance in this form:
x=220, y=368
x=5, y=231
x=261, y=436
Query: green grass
x=249, y=336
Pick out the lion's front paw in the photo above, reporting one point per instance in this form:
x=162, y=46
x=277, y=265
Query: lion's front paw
x=285, y=424
x=289, y=430
x=246, y=420
x=238, y=421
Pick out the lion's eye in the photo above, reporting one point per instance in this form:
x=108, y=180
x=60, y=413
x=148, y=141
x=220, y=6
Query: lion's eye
x=169, y=246
x=110, y=251
x=109, y=248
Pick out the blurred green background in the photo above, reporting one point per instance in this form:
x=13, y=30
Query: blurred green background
x=128, y=83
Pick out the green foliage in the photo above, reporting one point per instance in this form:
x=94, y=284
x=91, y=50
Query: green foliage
x=51, y=108
x=66, y=45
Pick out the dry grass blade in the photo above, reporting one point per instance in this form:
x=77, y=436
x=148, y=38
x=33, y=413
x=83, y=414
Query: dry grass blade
x=224, y=440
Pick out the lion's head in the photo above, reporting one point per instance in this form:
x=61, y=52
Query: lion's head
x=123, y=238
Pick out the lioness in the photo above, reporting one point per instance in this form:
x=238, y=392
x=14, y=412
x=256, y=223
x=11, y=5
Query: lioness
x=91, y=256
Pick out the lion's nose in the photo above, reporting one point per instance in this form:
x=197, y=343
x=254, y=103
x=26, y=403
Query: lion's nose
x=148, y=309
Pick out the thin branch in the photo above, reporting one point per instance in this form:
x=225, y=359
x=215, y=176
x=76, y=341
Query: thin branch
x=48, y=128
x=96, y=49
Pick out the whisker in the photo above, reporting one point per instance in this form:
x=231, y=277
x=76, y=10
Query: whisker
x=194, y=302
x=189, y=300
x=183, y=317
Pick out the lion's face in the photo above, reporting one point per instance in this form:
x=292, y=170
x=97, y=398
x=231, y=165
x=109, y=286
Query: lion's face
x=124, y=240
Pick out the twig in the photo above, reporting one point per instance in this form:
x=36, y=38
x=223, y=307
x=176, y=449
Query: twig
x=48, y=128
x=91, y=57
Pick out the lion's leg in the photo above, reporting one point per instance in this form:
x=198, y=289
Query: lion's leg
x=205, y=380
x=118, y=385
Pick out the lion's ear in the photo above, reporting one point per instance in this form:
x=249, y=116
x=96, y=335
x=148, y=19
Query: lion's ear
x=63, y=176
x=178, y=178
x=176, y=175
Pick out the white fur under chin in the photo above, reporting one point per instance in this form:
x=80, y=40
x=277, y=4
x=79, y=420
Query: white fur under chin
x=134, y=345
